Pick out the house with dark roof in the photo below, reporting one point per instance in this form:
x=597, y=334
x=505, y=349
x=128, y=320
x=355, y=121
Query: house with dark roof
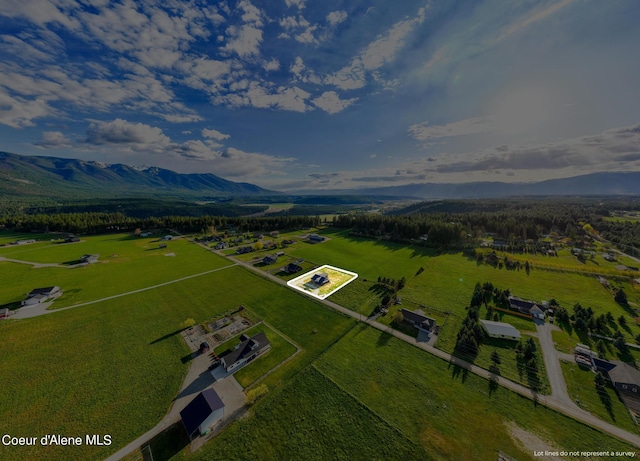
x=500, y=330
x=526, y=307
x=316, y=238
x=625, y=378
x=418, y=320
x=202, y=413
x=41, y=295
x=271, y=259
x=292, y=268
x=247, y=350
x=321, y=278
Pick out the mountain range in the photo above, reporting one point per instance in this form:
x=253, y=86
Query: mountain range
x=64, y=178
x=22, y=175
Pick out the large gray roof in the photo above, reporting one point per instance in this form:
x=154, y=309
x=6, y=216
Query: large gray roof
x=500, y=328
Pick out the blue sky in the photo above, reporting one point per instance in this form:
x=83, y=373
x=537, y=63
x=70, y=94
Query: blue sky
x=301, y=94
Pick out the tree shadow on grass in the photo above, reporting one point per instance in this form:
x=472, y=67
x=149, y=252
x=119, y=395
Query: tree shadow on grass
x=383, y=339
x=605, y=398
x=494, y=376
x=168, y=335
x=167, y=444
x=458, y=371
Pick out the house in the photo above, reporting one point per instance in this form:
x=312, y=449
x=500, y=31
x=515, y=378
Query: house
x=500, y=330
x=24, y=242
x=609, y=257
x=221, y=245
x=537, y=313
x=202, y=413
x=145, y=234
x=320, y=279
x=636, y=281
x=89, y=259
x=246, y=351
x=316, y=238
x=167, y=237
x=5, y=313
x=258, y=235
x=526, y=307
x=274, y=234
x=243, y=250
x=40, y=295
x=271, y=259
x=418, y=320
x=621, y=267
x=291, y=268
x=71, y=239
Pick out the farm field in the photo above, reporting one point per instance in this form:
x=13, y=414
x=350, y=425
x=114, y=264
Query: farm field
x=441, y=408
x=295, y=424
x=126, y=263
x=122, y=358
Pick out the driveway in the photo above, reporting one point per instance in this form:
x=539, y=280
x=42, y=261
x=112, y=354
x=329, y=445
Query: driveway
x=552, y=363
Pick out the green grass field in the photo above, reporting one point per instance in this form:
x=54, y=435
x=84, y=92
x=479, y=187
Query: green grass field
x=581, y=388
x=114, y=367
x=451, y=414
x=126, y=264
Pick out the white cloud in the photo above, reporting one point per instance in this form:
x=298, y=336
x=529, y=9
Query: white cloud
x=245, y=41
x=118, y=131
x=378, y=53
x=423, y=131
x=215, y=134
x=19, y=112
x=292, y=99
x=298, y=3
x=40, y=13
x=271, y=65
x=336, y=17
x=53, y=140
x=330, y=102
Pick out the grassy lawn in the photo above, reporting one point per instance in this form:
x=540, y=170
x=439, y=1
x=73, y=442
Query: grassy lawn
x=359, y=296
x=506, y=351
x=310, y=419
x=582, y=389
x=126, y=264
x=451, y=414
x=122, y=358
x=280, y=350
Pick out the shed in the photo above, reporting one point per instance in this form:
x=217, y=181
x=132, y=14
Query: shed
x=202, y=413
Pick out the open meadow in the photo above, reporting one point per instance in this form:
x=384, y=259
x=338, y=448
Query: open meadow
x=114, y=367
x=126, y=263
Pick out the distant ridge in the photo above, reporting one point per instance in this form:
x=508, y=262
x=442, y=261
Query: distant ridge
x=22, y=175
x=627, y=183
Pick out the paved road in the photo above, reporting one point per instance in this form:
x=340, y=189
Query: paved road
x=568, y=408
x=41, y=309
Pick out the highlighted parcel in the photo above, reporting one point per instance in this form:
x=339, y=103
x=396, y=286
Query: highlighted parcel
x=323, y=281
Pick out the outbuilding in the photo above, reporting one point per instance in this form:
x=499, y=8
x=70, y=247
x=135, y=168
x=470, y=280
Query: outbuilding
x=500, y=330
x=202, y=413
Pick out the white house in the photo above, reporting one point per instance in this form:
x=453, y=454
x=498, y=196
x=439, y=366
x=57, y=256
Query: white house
x=41, y=295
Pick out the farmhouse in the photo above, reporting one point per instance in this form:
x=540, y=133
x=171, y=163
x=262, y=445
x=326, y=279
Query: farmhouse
x=498, y=243
x=321, y=278
x=418, y=320
x=271, y=259
x=526, y=307
x=246, y=351
x=500, y=330
x=40, y=295
x=221, y=245
x=609, y=257
x=291, y=268
x=24, y=242
x=202, y=413
x=145, y=234
x=316, y=238
x=167, y=237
